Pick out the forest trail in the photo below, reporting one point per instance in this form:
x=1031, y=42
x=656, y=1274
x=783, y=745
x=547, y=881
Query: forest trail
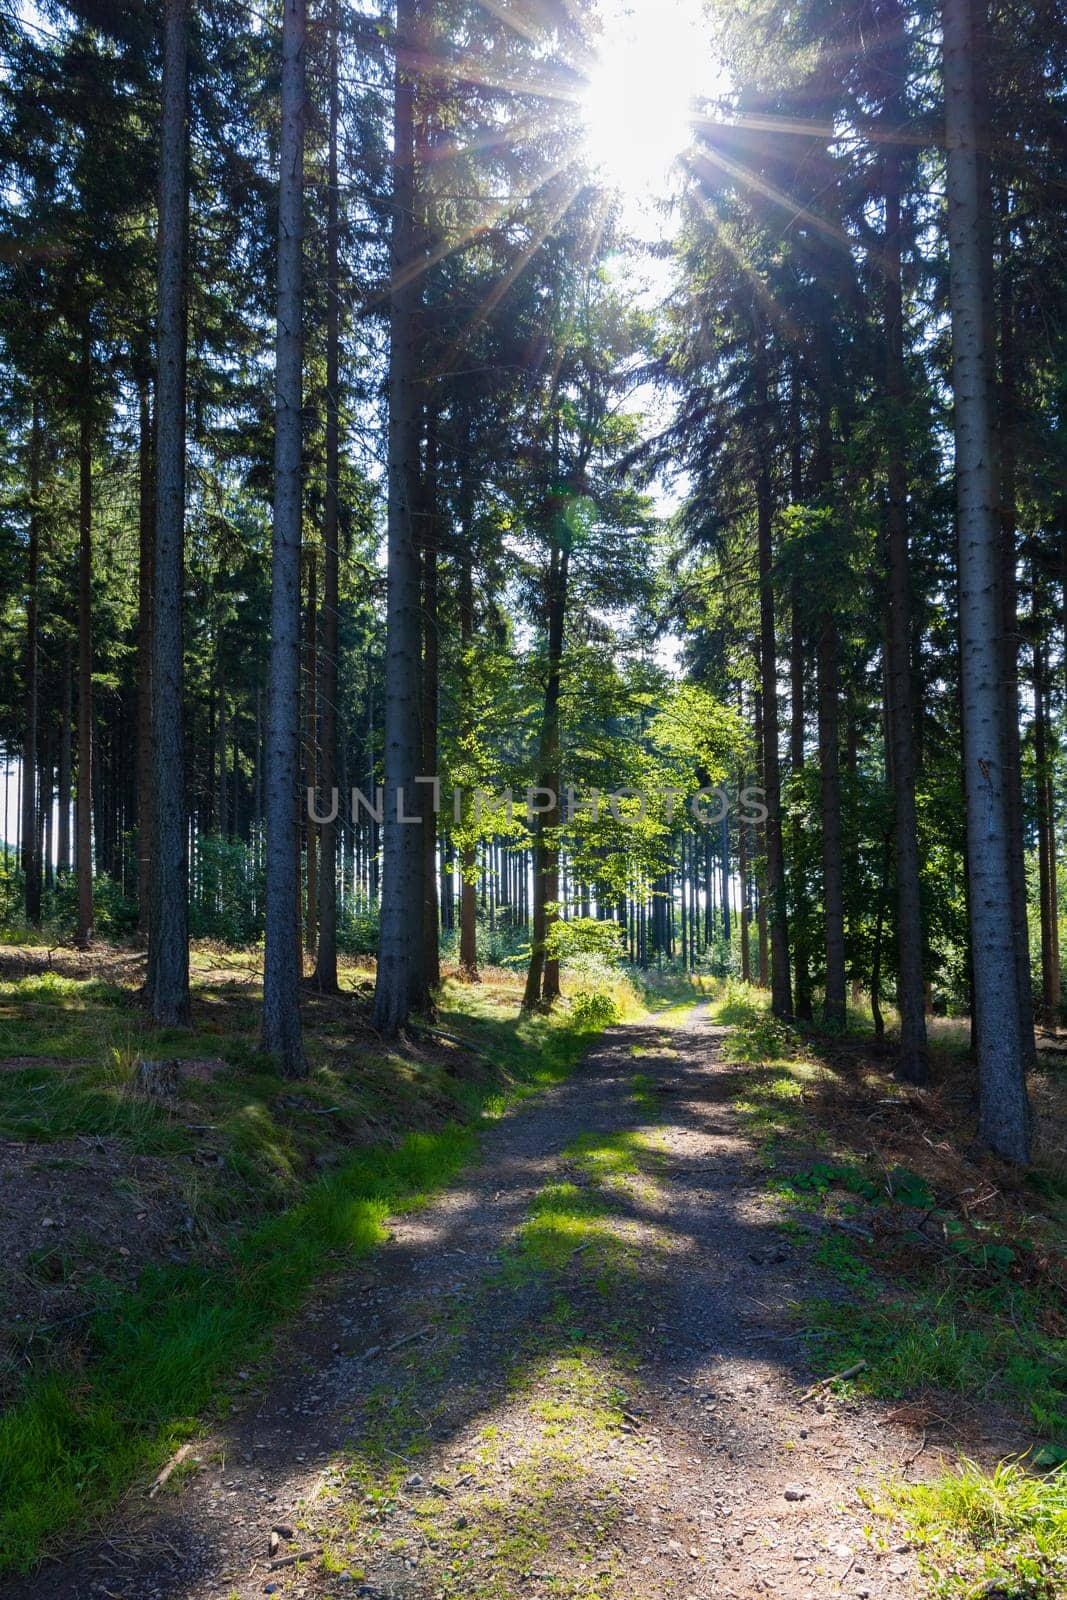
x=574, y=1374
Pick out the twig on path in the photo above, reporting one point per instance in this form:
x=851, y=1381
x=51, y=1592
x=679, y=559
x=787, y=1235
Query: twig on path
x=834, y=1377
x=175, y=1461
x=407, y=1338
x=909, y=1461
x=291, y=1561
x=785, y=1338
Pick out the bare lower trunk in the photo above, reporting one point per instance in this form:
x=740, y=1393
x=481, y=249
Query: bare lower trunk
x=542, y=977
x=145, y=564
x=1005, y=429
x=84, y=808
x=401, y=982
x=431, y=917
x=912, y=1060
x=167, y=989
x=281, y=964
x=1004, y=1122
x=834, y=1005
x=1046, y=845
x=31, y=852
x=802, y=995
x=468, y=861
x=311, y=749
x=781, y=993
x=65, y=763
x=326, y=955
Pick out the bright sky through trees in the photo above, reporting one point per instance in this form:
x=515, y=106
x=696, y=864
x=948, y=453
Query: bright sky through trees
x=653, y=60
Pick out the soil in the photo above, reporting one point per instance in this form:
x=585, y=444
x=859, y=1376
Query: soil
x=458, y=1418
x=74, y=1212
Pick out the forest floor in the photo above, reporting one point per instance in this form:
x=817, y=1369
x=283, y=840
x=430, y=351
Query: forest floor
x=590, y=1366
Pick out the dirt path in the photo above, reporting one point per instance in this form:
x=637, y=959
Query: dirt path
x=572, y=1376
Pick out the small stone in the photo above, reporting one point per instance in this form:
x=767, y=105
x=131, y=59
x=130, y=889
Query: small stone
x=793, y=1491
x=414, y=1481
x=272, y=1544
x=283, y=1530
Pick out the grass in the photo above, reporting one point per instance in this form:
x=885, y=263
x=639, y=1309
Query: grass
x=157, y=1355
x=978, y=1532
x=935, y=1299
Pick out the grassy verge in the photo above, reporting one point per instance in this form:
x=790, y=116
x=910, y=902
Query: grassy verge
x=998, y=1533
x=326, y=1160
x=946, y=1275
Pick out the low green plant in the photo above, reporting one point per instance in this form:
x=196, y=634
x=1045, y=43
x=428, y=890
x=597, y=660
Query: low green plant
x=978, y=1532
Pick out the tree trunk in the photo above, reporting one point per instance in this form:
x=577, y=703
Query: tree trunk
x=804, y=1009
x=326, y=955
x=31, y=853
x=167, y=989
x=401, y=980
x=912, y=1064
x=542, y=977
x=66, y=715
x=468, y=894
x=833, y=1011
x=281, y=963
x=1046, y=829
x=1005, y=441
x=742, y=879
x=146, y=561
x=1004, y=1122
x=781, y=993
x=84, y=809
x=430, y=673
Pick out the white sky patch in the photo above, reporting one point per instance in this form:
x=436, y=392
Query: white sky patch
x=655, y=68
x=655, y=59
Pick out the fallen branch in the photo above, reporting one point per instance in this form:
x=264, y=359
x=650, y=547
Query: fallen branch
x=407, y=1338
x=175, y=1461
x=456, y=1039
x=291, y=1561
x=835, y=1377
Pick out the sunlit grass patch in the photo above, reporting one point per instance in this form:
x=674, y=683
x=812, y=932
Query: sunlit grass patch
x=960, y=1342
x=563, y=1220
x=769, y=1101
x=629, y=1153
x=159, y=1355
x=977, y=1531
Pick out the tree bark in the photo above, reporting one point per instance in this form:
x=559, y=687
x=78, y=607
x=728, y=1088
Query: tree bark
x=281, y=963
x=468, y=894
x=145, y=564
x=827, y=668
x=804, y=1009
x=167, y=989
x=311, y=750
x=912, y=1064
x=326, y=955
x=66, y=715
x=1004, y=1121
x=31, y=853
x=430, y=690
x=401, y=987
x=1046, y=832
x=781, y=992
x=542, y=977
x=1005, y=444
x=84, y=808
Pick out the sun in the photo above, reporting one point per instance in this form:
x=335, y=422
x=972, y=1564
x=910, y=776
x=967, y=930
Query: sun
x=652, y=59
